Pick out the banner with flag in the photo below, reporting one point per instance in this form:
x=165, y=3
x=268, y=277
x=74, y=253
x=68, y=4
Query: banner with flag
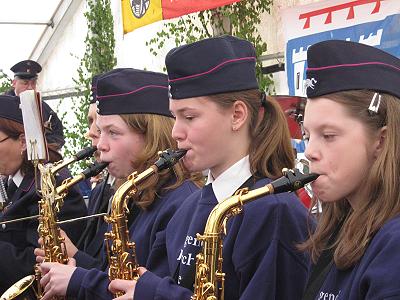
x=372, y=22
x=138, y=13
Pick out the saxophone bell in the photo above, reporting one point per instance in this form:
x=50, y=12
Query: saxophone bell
x=18, y=288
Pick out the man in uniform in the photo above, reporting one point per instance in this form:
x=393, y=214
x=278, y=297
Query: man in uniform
x=25, y=78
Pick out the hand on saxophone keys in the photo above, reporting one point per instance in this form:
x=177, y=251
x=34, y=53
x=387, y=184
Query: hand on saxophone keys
x=70, y=247
x=55, y=278
x=125, y=286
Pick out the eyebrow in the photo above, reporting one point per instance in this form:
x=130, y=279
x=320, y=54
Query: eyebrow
x=323, y=126
x=183, y=109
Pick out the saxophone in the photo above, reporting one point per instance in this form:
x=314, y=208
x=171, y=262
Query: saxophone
x=51, y=201
x=120, y=250
x=209, y=278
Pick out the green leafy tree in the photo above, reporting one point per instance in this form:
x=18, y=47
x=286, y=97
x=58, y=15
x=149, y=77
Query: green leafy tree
x=5, y=82
x=239, y=19
x=98, y=58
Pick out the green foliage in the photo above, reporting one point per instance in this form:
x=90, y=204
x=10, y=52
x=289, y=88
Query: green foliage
x=98, y=58
x=5, y=82
x=239, y=19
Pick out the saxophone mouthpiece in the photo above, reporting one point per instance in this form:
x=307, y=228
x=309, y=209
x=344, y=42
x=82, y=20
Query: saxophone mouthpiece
x=94, y=169
x=85, y=153
x=292, y=181
x=168, y=158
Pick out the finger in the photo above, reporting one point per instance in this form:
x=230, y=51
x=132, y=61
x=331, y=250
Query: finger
x=142, y=270
x=39, y=259
x=46, y=267
x=40, y=241
x=38, y=251
x=71, y=262
x=112, y=287
x=47, y=295
x=63, y=234
x=44, y=280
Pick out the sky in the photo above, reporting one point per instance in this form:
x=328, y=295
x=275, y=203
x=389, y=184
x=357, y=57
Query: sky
x=18, y=41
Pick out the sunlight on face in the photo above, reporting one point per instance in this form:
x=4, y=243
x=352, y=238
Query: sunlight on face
x=338, y=149
x=118, y=144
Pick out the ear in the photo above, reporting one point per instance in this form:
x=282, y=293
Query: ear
x=239, y=115
x=22, y=142
x=380, y=141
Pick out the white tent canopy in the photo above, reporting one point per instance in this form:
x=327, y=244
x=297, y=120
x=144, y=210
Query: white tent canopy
x=22, y=23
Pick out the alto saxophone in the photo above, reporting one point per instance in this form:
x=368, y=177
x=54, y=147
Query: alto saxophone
x=51, y=201
x=121, y=252
x=209, y=278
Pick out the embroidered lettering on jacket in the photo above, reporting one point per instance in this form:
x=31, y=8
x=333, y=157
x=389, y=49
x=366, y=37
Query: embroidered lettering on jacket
x=188, y=258
x=328, y=296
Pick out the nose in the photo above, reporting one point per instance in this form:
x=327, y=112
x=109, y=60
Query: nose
x=31, y=85
x=102, y=144
x=311, y=152
x=93, y=134
x=178, y=132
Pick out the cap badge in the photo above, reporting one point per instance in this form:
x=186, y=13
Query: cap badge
x=310, y=83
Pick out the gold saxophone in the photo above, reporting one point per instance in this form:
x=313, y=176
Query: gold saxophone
x=120, y=250
x=210, y=279
x=52, y=198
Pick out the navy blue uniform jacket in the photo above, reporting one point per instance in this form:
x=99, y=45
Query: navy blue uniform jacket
x=18, y=240
x=148, y=231
x=375, y=276
x=259, y=255
x=91, y=243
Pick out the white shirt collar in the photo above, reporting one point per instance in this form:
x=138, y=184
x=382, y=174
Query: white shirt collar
x=231, y=179
x=17, y=178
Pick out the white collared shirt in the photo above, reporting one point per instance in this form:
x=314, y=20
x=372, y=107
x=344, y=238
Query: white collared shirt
x=17, y=178
x=231, y=179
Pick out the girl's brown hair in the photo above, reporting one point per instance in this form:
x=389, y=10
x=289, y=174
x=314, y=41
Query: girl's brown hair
x=156, y=130
x=382, y=184
x=270, y=149
x=14, y=129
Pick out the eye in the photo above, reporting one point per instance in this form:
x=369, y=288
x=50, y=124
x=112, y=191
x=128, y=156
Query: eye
x=189, y=117
x=328, y=137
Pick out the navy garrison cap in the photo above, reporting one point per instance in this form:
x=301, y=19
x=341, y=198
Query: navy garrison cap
x=335, y=66
x=211, y=66
x=9, y=108
x=26, y=69
x=131, y=91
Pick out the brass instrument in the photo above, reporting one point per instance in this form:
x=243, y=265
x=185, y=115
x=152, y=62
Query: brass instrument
x=52, y=198
x=120, y=251
x=209, y=280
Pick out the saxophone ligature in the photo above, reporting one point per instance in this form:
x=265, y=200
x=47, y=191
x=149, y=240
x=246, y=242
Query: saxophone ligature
x=209, y=277
x=120, y=250
x=51, y=201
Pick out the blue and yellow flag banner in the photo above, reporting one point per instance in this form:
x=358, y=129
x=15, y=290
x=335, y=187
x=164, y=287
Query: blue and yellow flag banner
x=138, y=13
